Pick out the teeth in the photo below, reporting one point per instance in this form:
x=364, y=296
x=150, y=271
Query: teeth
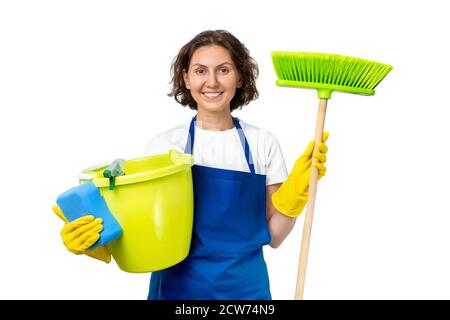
x=211, y=94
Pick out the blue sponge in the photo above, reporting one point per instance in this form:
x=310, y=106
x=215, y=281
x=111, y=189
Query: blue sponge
x=86, y=199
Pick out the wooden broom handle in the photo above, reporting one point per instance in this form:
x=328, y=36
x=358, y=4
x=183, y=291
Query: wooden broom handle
x=311, y=201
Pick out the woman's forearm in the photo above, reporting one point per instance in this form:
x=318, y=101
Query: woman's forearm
x=280, y=226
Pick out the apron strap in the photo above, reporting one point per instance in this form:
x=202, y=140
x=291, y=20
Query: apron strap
x=244, y=142
x=245, y=146
x=190, y=139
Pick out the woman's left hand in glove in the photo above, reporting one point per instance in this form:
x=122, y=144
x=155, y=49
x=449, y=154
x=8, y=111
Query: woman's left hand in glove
x=291, y=197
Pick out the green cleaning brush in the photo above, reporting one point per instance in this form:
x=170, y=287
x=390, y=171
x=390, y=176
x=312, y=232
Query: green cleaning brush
x=325, y=73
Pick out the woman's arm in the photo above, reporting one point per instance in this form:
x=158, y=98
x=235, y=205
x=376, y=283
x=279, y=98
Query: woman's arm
x=279, y=224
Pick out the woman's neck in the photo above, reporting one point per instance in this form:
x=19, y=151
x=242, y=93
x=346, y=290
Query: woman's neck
x=214, y=121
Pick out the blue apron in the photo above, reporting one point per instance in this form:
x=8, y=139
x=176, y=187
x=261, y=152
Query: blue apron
x=226, y=260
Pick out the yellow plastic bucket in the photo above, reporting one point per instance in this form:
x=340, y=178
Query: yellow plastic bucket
x=154, y=203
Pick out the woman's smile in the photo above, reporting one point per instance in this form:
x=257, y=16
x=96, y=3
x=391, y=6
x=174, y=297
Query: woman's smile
x=212, y=95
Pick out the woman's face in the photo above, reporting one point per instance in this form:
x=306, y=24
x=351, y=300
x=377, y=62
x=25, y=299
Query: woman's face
x=212, y=78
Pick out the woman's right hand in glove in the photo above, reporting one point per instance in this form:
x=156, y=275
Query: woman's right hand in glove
x=80, y=234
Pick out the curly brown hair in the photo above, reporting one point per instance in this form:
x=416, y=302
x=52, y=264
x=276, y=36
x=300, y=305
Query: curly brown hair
x=245, y=64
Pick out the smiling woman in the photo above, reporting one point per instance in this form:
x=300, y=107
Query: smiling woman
x=237, y=169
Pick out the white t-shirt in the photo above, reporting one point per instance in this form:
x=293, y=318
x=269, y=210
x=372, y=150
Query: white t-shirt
x=223, y=149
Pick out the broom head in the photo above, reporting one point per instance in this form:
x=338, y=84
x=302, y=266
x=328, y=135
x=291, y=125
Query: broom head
x=328, y=72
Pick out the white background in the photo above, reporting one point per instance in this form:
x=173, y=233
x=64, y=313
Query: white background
x=85, y=82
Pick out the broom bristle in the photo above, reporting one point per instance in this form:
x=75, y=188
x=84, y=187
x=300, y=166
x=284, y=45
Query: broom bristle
x=328, y=71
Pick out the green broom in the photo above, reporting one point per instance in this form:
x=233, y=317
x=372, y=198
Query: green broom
x=326, y=73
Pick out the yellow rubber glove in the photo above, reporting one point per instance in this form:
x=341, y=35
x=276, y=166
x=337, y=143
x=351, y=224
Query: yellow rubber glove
x=290, y=199
x=79, y=235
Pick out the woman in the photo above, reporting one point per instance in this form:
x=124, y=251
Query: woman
x=243, y=197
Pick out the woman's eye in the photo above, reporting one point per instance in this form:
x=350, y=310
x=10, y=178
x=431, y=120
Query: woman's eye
x=224, y=70
x=200, y=71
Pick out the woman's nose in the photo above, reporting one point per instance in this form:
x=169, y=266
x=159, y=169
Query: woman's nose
x=211, y=82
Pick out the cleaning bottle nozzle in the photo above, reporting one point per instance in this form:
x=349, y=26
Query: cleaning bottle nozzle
x=113, y=170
